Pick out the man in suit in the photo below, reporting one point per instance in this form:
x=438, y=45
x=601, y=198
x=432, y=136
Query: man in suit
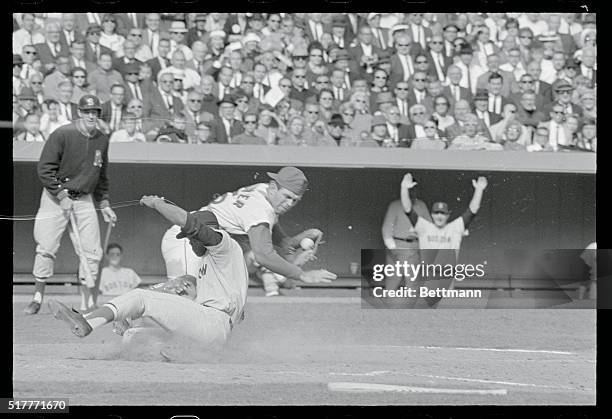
x=481, y=109
x=66, y=108
x=587, y=64
x=559, y=134
x=193, y=112
x=93, y=49
x=402, y=62
x=462, y=111
x=134, y=87
x=418, y=93
x=381, y=37
x=567, y=41
x=161, y=104
x=128, y=21
x=225, y=127
x=151, y=35
x=259, y=88
x=77, y=56
x=496, y=100
x=315, y=27
x=527, y=84
x=114, y=109
x=398, y=132
x=339, y=31
x=197, y=33
x=402, y=101
x=363, y=52
x=509, y=84
x=341, y=93
x=160, y=61
x=418, y=119
x=454, y=91
x=470, y=71
x=298, y=88
x=450, y=34
x=129, y=58
x=527, y=112
x=69, y=32
x=343, y=62
x=438, y=60
x=143, y=52
x=51, y=48
x=419, y=33
x=354, y=21
x=563, y=96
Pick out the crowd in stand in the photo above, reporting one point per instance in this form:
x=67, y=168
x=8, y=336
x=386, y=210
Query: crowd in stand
x=464, y=81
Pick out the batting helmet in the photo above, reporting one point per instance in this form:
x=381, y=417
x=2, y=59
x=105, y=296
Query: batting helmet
x=89, y=102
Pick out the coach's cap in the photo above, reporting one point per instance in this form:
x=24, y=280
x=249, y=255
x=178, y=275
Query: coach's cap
x=89, y=102
x=291, y=178
x=440, y=207
x=204, y=217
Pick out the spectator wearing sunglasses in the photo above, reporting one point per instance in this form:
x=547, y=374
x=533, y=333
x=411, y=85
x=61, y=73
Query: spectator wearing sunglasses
x=433, y=138
x=29, y=58
x=36, y=83
x=93, y=48
x=441, y=112
x=249, y=136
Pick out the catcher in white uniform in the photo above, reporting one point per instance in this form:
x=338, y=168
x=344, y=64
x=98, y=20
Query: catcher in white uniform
x=205, y=314
x=250, y=215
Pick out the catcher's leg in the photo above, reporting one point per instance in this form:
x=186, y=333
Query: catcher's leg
x=49, y=227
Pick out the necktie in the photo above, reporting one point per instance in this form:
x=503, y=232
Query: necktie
x=347, y=81
x=27, y=71
x=169, y=102
x=469, y=78
x=57, y=49
x=498, y=109
x=456, y=92
x=136, y=91
x=114, y=120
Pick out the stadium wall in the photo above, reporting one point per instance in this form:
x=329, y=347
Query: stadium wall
x=520, y=210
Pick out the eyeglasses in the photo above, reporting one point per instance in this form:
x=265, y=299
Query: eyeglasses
x=420, y=79
x=248, y=82
x=299, y=76
x=285, y=86
x=417, y=113
x=316, y=55
x=250, y=122
x=421, y=61
x=380, y=77
x=403, y=89
x=195, y=100
x=29, y=52
x=136, y=34
x=36, y=82
x=436, y=42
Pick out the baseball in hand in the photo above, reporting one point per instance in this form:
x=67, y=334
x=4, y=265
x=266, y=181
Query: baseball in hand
x=307, y=243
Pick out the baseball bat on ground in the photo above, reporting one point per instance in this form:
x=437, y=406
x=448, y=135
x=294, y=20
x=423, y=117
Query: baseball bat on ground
x=89, y=280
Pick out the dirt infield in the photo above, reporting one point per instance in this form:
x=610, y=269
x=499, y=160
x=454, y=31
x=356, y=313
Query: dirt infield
x=289, y=349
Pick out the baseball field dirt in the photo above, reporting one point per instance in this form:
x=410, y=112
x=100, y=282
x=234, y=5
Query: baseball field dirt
x=302, y=348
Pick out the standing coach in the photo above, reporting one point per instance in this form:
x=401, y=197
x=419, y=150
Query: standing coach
x=72, y=169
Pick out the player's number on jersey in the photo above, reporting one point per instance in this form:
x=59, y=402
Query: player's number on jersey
x=240, y=196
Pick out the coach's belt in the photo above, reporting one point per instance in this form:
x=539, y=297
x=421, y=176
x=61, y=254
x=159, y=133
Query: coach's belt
x=405, y=240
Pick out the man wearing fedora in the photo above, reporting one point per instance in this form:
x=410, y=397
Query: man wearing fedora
x=93, y=49
x=178, y=31
x=225, y=127
x=469, y=69
x=481, y=109
x=563, y=96
x=198, y=32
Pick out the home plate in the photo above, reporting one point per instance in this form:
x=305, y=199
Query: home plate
x=379, y=388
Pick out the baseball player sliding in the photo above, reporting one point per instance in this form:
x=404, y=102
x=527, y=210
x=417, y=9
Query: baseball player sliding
x=72, y=169
x=250, y=215
x=205, y=314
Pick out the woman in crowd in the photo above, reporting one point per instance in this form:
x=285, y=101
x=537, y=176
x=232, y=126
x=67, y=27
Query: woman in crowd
x=442, y=112
x=363, y=118
x=325, y=99
x=109, y=37
x=315, y=65
x=270, y=126
x=78, y=76
x=512, y=135
x=432, y=140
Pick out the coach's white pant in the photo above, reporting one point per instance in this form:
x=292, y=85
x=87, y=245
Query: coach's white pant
x=49, y=227
x=175, y=314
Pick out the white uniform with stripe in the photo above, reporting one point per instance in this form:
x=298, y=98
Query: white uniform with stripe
x=236, y=212
x=221, y=296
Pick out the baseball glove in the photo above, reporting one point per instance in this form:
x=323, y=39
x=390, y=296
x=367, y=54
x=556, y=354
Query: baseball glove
x=185, y=286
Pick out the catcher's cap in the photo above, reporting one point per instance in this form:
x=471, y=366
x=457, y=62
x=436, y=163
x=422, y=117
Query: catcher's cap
x=90, y=102
x=291, y=178
x=206, y=218
x=440, y=207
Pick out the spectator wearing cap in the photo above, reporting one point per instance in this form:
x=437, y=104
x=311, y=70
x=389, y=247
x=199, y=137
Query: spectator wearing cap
x=299, y=58
x=93, y=49
x=563, y=96
x=103, y=77
x=160, y=61
x=177, y=31
x=342, y=61
x=249, y=136
x=334, y=134
x=588, y=103
x=381, y=102
x=250, y=48
x=514, y=64
x=339, y=32
x=481, y=109
x=471, y=139
x=152, y=33
x=31, y=131
x=570, y=71
x=190, y=77
x=454, y=91
x=49, y=51
x=109, y=36
x=469, y=69
x=27, y=101
x=379, y=136
x=225, y=127
x=588, y=135
x=436, y=56
x=27, y=34
x=198, y=32
x=60, y=74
